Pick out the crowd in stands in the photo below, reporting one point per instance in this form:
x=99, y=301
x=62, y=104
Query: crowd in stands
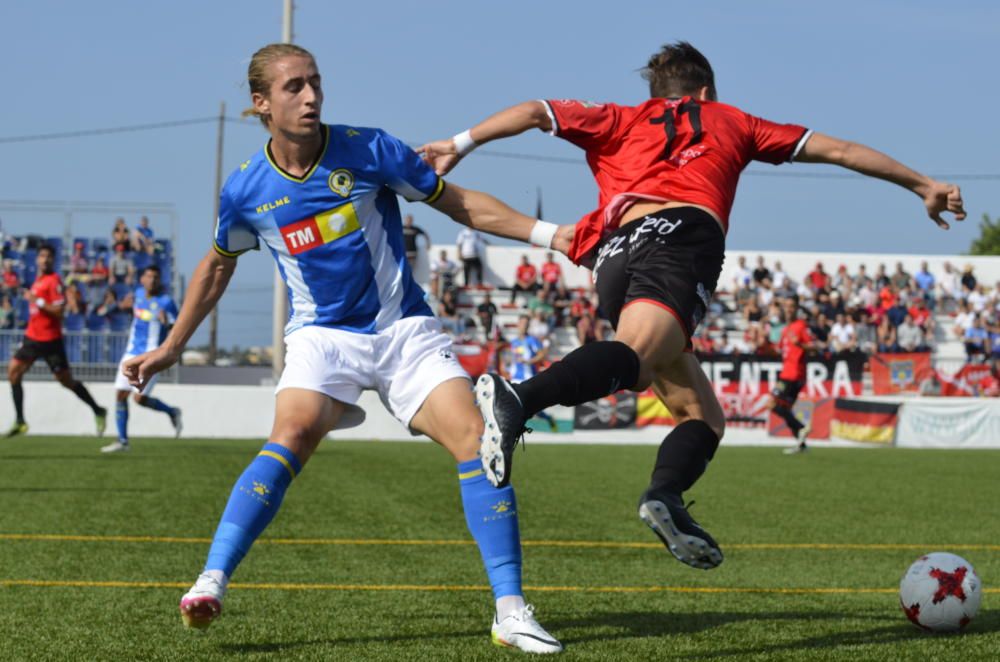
x=849, y=312
x=99, y=274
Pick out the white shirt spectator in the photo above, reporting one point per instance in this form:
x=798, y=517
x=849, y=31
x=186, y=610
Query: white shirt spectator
x=765, y=296
x=842, y=335
x=804, y=291
x=742, y=276
x=950, y=283
x=867, y=296
x=963, y=321
x=539, y=329
x=977, y=300
x=469, y=243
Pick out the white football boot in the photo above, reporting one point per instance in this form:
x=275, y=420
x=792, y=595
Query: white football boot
x=521, y=630
x=203, y=603
x=115, y=447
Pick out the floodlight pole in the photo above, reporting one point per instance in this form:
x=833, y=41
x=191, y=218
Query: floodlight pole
x=213, y=322
x=280, y=303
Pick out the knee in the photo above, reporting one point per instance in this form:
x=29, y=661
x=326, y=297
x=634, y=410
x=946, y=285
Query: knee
x=67, y=382
x=464, y=439
x=139, y=398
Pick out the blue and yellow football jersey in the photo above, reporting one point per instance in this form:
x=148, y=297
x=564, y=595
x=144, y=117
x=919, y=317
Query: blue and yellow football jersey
x=148, y=330
x=336, y=233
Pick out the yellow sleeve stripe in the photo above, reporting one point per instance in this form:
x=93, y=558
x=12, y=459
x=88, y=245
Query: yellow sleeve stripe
x=438, y=190
x=470, y=474
x=224, y=252
x=277, y=457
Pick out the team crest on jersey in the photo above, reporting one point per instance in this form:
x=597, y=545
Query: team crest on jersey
x=341, y=182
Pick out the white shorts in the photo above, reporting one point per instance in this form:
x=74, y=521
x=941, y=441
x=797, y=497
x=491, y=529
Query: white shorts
x=404, y=363
x=121, y=381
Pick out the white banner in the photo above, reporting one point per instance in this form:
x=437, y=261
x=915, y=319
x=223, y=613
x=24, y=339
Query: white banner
x=949, y=423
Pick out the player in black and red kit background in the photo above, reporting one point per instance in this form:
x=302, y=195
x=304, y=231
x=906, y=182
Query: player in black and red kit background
x=43, y=339
x=796, y=341
x=667, y=171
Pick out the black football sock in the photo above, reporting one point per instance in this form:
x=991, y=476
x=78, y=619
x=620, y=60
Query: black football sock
x=82, y=393
x=587, y=373
x=18, y=392
x=684, y=456
x=786, y=414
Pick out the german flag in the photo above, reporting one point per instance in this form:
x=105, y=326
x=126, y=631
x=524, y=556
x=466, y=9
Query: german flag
x=864, y=420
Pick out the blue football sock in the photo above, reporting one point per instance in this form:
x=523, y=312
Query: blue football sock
x=121, y=418
x=158, y=405
x=491, y=515
x=254, y=501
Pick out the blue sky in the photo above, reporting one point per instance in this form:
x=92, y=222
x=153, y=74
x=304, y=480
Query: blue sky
x=915, y=79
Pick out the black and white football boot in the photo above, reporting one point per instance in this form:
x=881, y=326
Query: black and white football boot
x=503, y=417
x=666, y=515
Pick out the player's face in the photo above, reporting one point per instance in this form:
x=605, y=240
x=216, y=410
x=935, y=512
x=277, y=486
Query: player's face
x=295, y=97
x=150, y=280
x=45, y=261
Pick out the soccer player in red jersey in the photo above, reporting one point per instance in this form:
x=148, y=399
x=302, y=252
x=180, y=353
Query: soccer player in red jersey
x=796, y=340
x=667, y=171
x=43, y=340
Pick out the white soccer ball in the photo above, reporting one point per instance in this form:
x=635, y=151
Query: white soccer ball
x=940, y=592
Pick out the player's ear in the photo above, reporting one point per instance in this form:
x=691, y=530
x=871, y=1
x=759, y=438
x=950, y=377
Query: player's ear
x=261, y=103
x=705, y=94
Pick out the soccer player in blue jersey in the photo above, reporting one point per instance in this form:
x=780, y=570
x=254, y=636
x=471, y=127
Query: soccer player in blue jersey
x=322, y=198
x=153, y=312
x=527, y=354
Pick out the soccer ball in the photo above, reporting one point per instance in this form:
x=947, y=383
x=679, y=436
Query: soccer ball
x=940, y=592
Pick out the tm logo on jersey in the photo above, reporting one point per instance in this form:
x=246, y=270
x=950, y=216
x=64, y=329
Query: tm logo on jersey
x=320, y=229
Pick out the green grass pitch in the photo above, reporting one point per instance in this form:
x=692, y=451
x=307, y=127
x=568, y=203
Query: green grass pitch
x=96, y=551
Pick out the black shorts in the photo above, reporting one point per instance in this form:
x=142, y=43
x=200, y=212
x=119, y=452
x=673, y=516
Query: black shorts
x=787, y=391
x=53, y=351
x=672, y=258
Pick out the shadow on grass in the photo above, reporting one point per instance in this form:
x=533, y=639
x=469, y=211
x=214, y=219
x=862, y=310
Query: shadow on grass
x=288, y=646
x=638, y=625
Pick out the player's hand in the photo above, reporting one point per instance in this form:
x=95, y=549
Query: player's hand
x=140, y=369
x=440, y=155
x=940, y=197
x=563, y=239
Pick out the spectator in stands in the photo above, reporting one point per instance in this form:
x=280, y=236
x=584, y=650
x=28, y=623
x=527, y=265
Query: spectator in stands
x=742, y=277
x=779, y=279
x=898, y=311
x=841, y=279
x=581, y=306
x=760, y=272
x=977, y=298
x=765, y=294
x=886, y=336
x=950, y=287
x=486, y=312
x=142, y=237
x=79, y=265
x=539, y=326
x=867, y=297
x=864, y=330
x=819, y=326
x=921, y=315
x=587, y=327
x=551, y=276
x=968, y=279
x=910, y=337
x=470, y=249
x=925, y=282
x=963, y=319
x=562, y=302
x=121, y=267
x=881, y=277
x=8, y=316
x=887, y=297
x=900, y=277
x=126, y=303
x=976, y=340
x=862, y=278
x=525, y=278
x=120, y=235
x=752, y=314
x=100, y=274
x=447, y=312
x=443, y=272
x=410, y=234
x=11, y=281
x=75, y=303
x=842, y=335
x=775, y=323
x=818, y=279
x=108, y=305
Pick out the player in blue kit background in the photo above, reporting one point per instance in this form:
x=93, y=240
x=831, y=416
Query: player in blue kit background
x=527, y=353
x=322, y=198
x=153, y=313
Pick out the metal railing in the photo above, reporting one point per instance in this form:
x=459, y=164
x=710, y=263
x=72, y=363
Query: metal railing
x=93, y=355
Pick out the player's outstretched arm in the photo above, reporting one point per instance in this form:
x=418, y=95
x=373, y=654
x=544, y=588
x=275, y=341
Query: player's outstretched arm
x=938, y=197
x=444, y=155
x=487, y=214
x=208, y=282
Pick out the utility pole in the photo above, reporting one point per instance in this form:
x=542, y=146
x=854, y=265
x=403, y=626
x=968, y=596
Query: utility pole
x=280, y=303
x=213, y=325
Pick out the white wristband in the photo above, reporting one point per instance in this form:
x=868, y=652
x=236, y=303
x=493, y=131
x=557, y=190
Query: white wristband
x=464, y=143
x=39, y=302
x=543, y=233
